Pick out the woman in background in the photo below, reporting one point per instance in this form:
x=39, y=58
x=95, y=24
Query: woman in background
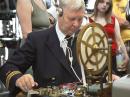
x=119, y=10
x=33, y=15
x=103, y=15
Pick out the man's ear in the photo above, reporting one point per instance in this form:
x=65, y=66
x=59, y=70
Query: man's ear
x=60, y=11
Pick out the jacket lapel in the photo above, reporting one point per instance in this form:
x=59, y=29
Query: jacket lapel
x=54, y=45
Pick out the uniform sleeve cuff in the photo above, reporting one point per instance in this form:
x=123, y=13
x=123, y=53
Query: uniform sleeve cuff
x=11, y=84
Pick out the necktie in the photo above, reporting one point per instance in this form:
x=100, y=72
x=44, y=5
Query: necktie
x=69, y=56
x=68, y=49
x=69, y=39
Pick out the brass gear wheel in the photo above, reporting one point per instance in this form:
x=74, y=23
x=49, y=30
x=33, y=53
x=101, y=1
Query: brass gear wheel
x=92, y=48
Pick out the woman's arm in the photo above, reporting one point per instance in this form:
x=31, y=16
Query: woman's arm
x=24, y=11
x=120, y=42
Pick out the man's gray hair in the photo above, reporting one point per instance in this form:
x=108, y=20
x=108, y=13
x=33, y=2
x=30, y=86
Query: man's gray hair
x=73, y=4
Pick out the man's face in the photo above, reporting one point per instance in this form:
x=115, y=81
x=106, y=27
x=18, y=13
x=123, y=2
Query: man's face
x=71, y=20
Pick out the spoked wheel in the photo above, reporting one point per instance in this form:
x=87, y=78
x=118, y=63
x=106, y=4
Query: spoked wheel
x=92, y=48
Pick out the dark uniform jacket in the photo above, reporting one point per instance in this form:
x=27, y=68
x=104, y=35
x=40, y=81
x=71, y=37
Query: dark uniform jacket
x=42, y=51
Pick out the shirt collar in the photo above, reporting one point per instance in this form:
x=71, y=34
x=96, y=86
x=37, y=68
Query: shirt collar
x=60, y=34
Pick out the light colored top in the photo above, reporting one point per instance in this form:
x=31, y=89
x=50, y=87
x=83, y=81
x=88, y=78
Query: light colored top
x=40, y=17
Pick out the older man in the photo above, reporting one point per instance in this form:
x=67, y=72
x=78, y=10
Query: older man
x=45, y=52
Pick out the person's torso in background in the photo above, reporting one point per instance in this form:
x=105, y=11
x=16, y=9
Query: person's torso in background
x=109, y=29
x=40, y=17
x=119, y=9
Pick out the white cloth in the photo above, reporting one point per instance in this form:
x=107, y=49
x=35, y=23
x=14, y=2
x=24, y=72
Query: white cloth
x=52, y=10
x=91, y=4
x=1, y=28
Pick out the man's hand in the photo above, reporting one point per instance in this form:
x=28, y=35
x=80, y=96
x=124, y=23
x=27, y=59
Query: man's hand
x=26, y=82
x=115, y=77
